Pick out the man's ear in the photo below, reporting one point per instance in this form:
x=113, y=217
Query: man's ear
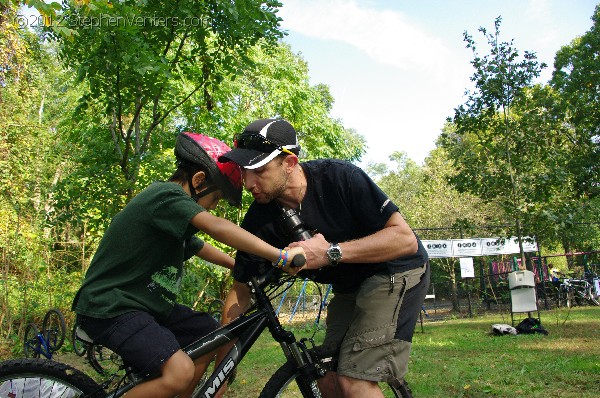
x=290, y=162
x=198, y=179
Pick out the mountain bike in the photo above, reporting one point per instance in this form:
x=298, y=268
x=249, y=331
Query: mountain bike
x=305, y=363
x=38, y=343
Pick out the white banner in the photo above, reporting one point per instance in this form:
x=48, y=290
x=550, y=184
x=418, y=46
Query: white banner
x=511, y=245
x=477, y=247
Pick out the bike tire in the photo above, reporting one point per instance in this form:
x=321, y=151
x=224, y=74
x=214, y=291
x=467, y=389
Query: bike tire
x=31, y=342
x=25, y=378
x=281, y=385
x=54, y=329
x=79, y=347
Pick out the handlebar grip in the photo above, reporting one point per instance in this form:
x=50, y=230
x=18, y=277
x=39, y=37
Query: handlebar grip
x=298, y=261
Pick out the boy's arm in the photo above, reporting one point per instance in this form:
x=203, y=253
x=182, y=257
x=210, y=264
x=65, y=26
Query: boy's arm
x=232, y=235
x=211, y=254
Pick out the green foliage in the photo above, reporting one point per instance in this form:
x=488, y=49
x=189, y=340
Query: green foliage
x=140, y=61
x=203, y=282
x=577, y=79
x=486, y=145
x=511, y=144
x=403, y=186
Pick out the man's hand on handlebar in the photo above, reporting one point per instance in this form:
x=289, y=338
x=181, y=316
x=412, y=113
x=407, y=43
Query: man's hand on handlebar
x=315, y=250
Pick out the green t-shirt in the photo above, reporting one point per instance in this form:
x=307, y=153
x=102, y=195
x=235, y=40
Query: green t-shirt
x=139, y=263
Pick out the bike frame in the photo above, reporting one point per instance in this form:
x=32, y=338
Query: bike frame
x=41, y=346
x=246, y=329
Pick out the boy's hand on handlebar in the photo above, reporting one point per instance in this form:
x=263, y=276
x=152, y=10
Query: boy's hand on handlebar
x=296, y=260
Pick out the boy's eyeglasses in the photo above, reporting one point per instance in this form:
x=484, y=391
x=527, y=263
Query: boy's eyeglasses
x=258, y=143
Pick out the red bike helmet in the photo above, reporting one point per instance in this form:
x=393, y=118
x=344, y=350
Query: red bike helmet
x=204, y=151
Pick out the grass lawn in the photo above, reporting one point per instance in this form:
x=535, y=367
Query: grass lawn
x=460, y=358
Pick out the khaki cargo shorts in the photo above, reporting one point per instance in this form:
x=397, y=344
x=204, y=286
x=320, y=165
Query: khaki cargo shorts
x=373, y=327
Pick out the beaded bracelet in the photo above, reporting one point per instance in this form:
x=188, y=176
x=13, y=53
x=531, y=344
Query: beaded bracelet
x=283, y=257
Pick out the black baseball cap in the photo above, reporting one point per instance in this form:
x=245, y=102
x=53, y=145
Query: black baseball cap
x=261, y=141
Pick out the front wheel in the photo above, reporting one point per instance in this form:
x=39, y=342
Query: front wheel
x=24, y=378
x=287, y=382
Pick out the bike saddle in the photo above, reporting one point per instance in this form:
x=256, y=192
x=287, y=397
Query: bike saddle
x=82, y=335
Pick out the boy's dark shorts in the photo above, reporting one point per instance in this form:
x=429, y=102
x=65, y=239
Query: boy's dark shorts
x=145, y=342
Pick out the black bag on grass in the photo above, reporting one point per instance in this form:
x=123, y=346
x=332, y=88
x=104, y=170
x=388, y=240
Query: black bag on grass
x=531, y=326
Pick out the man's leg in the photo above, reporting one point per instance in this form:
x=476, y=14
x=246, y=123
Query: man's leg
x=337, y=323
x=377, y=345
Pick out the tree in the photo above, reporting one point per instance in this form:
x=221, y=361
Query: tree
x=487, y=145
x=403, y=185
x=34, y=91
x=434, y=207
x=576, y=76
x=277, y=85
x=142, y=60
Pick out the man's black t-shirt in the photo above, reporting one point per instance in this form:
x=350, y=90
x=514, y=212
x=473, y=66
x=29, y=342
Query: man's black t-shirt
x=342, y=203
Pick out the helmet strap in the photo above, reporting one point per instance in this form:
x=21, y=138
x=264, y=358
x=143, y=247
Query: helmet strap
x=204, y=189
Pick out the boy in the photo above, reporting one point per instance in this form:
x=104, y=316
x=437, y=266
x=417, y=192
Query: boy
x=127, y=300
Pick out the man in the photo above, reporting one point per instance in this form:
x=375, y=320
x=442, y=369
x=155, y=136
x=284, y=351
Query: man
x=362, y=246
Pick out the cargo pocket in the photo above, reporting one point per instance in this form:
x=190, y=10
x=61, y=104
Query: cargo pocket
x=377, y=312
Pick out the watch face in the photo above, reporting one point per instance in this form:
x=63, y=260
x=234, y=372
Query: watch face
x=334, y=253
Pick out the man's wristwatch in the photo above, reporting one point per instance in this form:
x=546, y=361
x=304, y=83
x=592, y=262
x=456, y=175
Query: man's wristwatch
x=334, y=254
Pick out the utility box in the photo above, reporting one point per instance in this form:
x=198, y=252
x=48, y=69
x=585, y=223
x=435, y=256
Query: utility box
x=520, y=279
x=522, y=293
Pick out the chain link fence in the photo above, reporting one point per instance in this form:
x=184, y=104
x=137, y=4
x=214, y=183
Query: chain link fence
x=447, y=298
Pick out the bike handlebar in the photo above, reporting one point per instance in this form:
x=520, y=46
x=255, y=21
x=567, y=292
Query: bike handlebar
x=298, y=261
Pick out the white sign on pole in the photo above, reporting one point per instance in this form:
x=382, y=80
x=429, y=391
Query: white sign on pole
x=466, y=267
